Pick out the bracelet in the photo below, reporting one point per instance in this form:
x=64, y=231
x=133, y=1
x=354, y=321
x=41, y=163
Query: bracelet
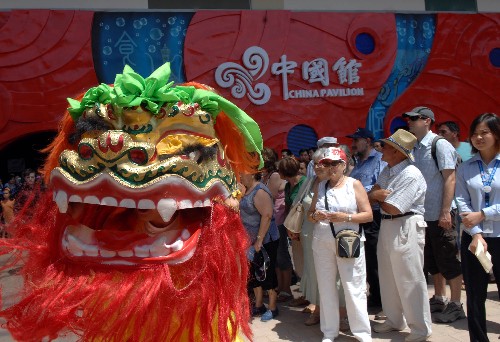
x=349, y=218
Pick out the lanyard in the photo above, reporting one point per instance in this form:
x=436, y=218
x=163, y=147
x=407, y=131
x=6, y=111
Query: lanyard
x=487, y=183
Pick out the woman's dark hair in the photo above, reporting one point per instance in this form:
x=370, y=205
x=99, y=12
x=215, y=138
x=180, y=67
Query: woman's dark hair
x=287, y=151
x=270, y=158
x=289, y=167
x=492, y=121
x=257, y=176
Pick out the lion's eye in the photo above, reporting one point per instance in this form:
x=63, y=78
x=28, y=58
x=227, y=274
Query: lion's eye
x=138, y=156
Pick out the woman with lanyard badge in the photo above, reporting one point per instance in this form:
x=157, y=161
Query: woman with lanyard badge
x=340, y=203
x=478, y=197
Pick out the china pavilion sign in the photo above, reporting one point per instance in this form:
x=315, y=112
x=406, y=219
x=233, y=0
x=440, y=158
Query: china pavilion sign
x=243, y=78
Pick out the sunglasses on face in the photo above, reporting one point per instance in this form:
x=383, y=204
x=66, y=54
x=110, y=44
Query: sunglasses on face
x=416, y=118
x=329, y=164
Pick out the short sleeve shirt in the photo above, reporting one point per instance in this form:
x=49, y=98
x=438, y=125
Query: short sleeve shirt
x=407, y=186
x=447, y=160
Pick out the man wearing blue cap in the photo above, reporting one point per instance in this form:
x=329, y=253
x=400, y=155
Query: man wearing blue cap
x=369, y=164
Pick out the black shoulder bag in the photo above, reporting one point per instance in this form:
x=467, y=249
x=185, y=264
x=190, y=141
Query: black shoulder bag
x=348, y=241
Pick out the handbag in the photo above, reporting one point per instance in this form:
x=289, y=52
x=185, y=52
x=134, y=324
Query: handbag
x=295, y=218
x=348, y=241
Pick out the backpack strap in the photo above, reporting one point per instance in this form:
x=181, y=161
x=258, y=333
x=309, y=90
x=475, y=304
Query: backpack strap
x=433, y=150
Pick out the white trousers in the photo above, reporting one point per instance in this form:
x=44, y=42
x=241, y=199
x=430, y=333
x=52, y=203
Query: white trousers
x=400, y=253
x=353, y=277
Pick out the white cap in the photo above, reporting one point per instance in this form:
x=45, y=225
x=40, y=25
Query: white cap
x=327, y=140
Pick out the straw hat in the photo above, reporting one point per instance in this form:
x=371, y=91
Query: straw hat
x=403, y=141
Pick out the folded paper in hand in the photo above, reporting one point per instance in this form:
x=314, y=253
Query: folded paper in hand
x=483, y=257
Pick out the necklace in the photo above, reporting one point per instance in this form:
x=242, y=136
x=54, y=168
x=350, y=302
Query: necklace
x=339, y=182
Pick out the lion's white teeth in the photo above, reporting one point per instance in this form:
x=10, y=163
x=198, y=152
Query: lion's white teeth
x=75, y=198
x=107, y=254
x=127, y=203
x=91, y=200
x=177, y=245
x=198, y=204
x=160, y=241
x=185, y=234
x=62, y=201
x=158, y=248
x=74, y=250
x=92, y=251
x=126, y=253
x=207, y=202
x=109, y=201
x=159, y=251
x=167, y=208
x=141, y=251
x=185, y=204
x=146, y=204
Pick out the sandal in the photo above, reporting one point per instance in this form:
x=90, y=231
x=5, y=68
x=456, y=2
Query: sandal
x=300, y=301
x=344, y=324
x=307, y=310
x=284, y=297
x=312, y=320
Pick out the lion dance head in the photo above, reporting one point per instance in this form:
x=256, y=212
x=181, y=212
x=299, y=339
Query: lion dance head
x=138, y=238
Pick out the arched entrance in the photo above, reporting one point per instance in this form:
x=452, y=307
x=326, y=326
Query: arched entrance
x=301, y=136
x=24, y=153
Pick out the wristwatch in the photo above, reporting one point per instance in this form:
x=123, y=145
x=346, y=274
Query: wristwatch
x=349, y=218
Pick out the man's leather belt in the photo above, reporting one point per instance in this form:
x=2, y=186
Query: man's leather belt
x=390, y=217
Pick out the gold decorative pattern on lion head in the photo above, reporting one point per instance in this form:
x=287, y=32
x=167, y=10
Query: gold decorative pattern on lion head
x=143, y=160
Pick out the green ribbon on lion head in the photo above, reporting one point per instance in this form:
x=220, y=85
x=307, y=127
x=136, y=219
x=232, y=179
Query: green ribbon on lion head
x=131, y=89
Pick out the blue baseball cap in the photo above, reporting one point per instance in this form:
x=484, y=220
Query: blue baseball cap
x=362, y=133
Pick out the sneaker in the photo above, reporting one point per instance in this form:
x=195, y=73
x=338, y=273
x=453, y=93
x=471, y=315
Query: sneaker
x=269, y=315
x=258, y=311
x=380, y=316
x=384, y=328
x=416, y=338
x=450, y=314
x=436, y=304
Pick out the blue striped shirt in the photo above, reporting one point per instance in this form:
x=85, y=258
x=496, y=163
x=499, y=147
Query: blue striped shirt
x=470, y=196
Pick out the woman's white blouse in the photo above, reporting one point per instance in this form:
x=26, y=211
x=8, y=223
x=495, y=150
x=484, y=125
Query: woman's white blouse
x=342, y=199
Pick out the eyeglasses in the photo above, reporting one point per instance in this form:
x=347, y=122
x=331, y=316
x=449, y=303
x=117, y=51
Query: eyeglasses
x=260, y=262
x=323, y=165
x=416, y=117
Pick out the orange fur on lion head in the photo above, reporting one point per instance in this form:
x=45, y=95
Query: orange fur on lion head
x=135, y=243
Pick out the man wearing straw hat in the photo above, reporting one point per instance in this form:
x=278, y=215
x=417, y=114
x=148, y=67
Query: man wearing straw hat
x=400, y=192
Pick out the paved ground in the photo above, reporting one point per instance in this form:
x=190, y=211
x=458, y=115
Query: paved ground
x=289, y=325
